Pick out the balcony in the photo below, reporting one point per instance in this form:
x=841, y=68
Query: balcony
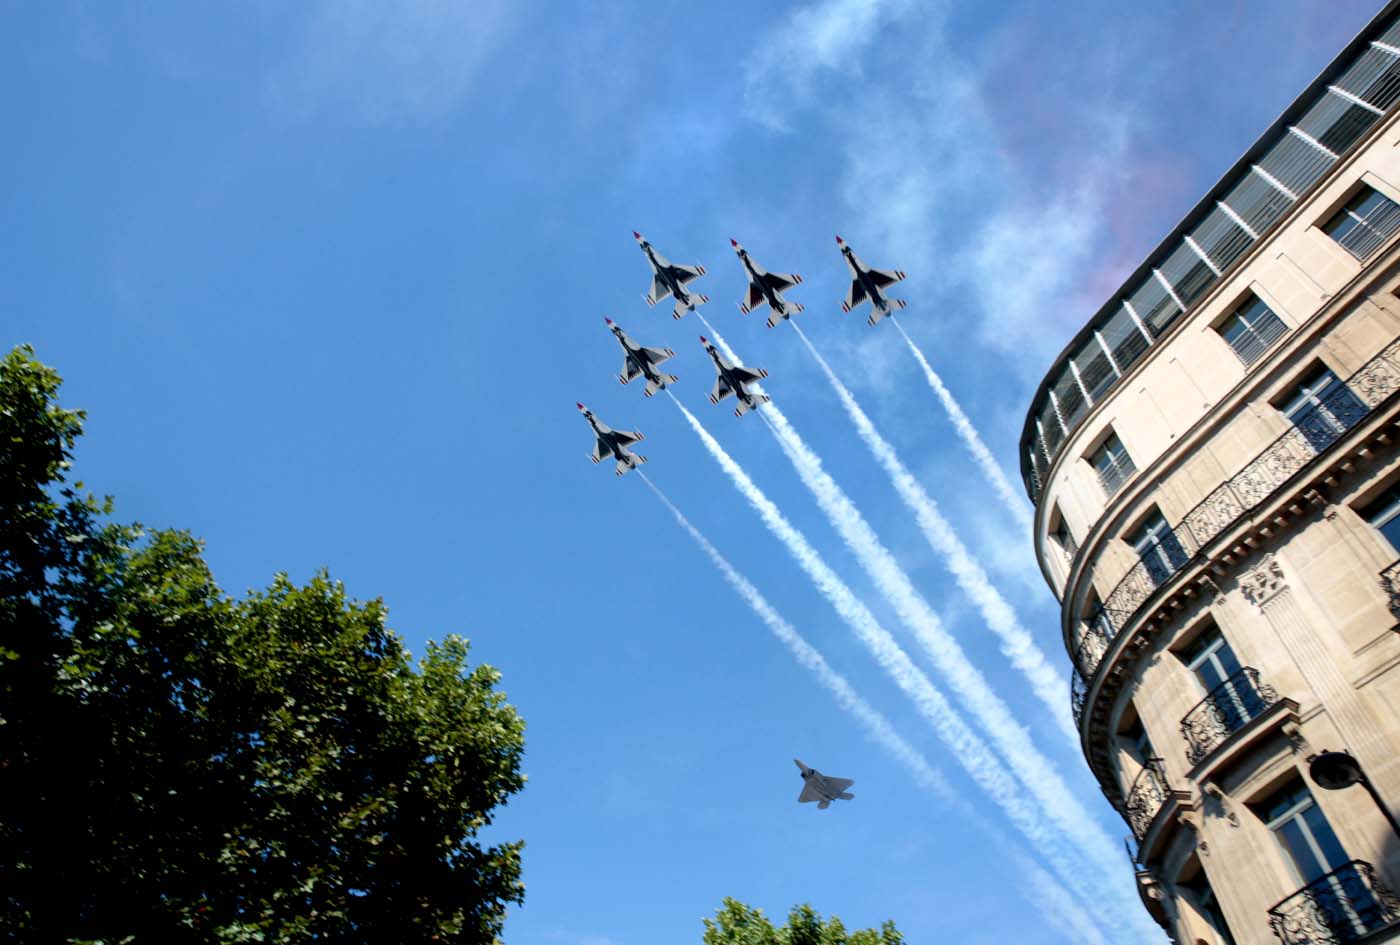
x=1225, y=710
x=1146, y=797
x=1390, y=583
x=1236, y=498
x=1344, y=906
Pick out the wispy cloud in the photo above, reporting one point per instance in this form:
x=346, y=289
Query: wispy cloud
x=389, y=59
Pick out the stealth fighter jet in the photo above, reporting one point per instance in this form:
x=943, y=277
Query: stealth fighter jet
x=668, y=279
x=612, y=444
x=866, y=286
x=732, y=379
x=767, y=288
x=642, y=362
x=821, y=788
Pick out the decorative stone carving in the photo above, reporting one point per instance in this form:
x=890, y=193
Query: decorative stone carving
x=1313, y=497
x=1296, y=740
x=1216, y=804
x=1263, y=581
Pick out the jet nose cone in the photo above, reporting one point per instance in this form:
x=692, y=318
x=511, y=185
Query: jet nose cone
x=580, y=406
x=703, y=340
x=734, y=243
x=636, y=235
x=607, y=319
x=839, y=240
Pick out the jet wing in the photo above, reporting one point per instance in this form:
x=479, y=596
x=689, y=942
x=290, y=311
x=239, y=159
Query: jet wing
x=659, y=290
x=601, y=449
x=809, y=793
x=753, y=298
x=630, y=371
x=622, y=439
x=749, y=375
x=837, y=785
x=658, y=355
x=854, y=297
x=884, y=277
x=721, y=391
x=684, y=274
x=781, y=281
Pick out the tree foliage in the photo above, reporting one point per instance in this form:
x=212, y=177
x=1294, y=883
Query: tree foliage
x=180, y=765
x=738, y=924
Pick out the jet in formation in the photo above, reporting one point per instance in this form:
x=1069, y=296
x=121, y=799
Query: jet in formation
x=612, y=444
x=767, y=288
x=732, y=380
x=821, y=788
x=866, y=284
x=669, y=280
x=642, y=362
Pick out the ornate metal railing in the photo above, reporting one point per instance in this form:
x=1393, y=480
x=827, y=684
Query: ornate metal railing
x=1313, y=432
x=1343, y=906
x=1146, y=797
x=1225, y=710
x=1390, y=583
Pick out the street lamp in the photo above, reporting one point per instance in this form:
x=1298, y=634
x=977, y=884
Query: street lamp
x=1334, y=770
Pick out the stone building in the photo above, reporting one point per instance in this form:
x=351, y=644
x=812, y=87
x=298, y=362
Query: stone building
x=1215, y=464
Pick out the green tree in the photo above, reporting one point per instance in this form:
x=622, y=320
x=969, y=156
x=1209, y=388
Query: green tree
x=180, y=765
x=738, y=924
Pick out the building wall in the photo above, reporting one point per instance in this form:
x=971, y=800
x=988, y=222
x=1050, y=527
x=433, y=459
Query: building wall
x=1292, y=582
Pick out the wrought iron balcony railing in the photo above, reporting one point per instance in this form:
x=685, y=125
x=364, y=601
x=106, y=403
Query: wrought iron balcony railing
x=1146, y=797
x=1390, y=583
x=1345, y=905
x=1225, y=710
x=1312, y=433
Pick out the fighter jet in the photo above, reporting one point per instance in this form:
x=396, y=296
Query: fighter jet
x=732, y=379
x=668, y=279
x=612, y=444
x=642, y=362
x=767, y=288
x=821, y=788
x=866, y=284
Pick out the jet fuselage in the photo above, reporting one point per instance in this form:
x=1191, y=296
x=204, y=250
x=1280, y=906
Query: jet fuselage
x=668, y=277
x=877, y=298
x=638, y=360
x=736, y=385
x=774, y=301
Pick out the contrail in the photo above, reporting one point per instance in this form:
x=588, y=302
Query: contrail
x=1014, y=503
x=1055, y=901
x=1017, y=644
x=963, y=744
x=1012, y=741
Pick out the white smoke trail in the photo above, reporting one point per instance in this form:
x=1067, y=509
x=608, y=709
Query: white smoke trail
x=1056, y=902
x=1014, y=502
x=996, y=719
x=1017, y=644
x=964, y=745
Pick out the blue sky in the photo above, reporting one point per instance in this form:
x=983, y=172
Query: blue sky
x=329, y=278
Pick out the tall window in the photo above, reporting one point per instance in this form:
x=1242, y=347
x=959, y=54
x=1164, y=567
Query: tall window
x=1134, y=739
x=1216, y=666
x=1061, y=535
x=1204, y=899
x=1251, y=329
x=1364, y=223
x=1158, y=548
x=1322, y=408
x=1112, y=463
x=1384, y=515
x=1318, y=861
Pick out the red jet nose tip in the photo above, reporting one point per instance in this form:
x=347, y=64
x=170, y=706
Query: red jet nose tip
x=580, y=406
x=839, y=240
x=636, y=235
x=607, y=319
x=733, y=242
x=703, y=341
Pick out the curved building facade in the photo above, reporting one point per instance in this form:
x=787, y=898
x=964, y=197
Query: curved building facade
x=1215, y=464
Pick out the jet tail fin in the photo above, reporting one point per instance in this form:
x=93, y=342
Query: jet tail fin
x=631, y=462
x=846, y=796
x=695, y=300
x=758, y=401
x=823, y=805
x=653, y=387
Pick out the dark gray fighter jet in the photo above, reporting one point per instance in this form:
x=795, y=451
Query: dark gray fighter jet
x=866, y=284
x=642, y=362
x=767, y=288
x=731, y=380
x=821, y=788
x=668, y=279
x=612, y=444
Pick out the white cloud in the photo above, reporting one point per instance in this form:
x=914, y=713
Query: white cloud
x=394, y=58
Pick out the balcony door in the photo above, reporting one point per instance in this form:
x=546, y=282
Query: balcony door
x=1335, y=892
x=1158, y=548
x=1218, y=670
